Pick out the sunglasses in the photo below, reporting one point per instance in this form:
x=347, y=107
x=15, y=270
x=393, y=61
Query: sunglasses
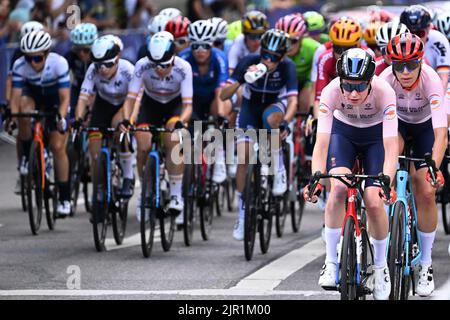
x=350, y=87
x=294, y=41
x=419, y=33
x=164, y=65
x=410, y=65
x=218, y=43
x=271, y=56
x=181, y=41
x=35, y=59
x=340, y=49
x=105, y=64
x=253, y=37
x=198, y=46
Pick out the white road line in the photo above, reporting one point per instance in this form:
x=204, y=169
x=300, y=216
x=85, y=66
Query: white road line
x=270, y=276
x=200, y=292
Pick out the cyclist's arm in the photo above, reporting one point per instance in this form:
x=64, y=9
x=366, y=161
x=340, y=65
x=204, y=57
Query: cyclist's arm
x=86, y=91
x=320, y=153
x=440, y=145
x=228, y=90
x=134, y=88
x=390, y=156
x=64, y=96
x=16, y=93
x=324, y=125
x=63, y=86
x=443, y=74
x=8, y=88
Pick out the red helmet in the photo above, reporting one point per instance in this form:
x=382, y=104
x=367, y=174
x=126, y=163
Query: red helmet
x=292, y=24
x=405, y=47
x=178, y=26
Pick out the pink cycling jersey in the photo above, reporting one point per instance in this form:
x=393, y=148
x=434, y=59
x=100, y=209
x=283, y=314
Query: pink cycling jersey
x=423, y=101
x=378, y=107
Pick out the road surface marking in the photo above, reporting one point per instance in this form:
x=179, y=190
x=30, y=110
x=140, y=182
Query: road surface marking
x=271, y=275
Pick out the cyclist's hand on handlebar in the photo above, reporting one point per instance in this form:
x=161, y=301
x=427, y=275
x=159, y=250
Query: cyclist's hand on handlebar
x=124, y=126
x=284, y=129
x=392, y=196
x=179, y=125
x=440, y=181
x=315, y=197
x=77, y=124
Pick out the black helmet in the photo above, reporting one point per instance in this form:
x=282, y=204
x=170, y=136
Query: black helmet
x=275, y=40
x=416, y=18
x=356, y=64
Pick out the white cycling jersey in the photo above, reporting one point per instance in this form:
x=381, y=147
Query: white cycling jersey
x=437, y=51
x=114, y=90
x=237, y=51
x=164, y=90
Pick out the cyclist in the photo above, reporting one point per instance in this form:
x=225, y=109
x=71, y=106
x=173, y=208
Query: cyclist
x=21, y=165
x=316, y=26
x=170, y=13
x=108, y=77
x=178, y=27
x=443, y=25
x=42, y=79
x=384, y=34
x=422, y=116
x=370, y=36
x=156, y=24
x=79, y=58
x=254, y=24
x=234, y=30
x=220, y=35
x=269, y=103
x=301, y=52
x=357, y=115
x=210, y=73
x=166, y=101
x=437, y=49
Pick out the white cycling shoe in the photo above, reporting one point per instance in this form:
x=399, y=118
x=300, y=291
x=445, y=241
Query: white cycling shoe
x=380, y=283
x=279, y=183
x=424, y=281
x=176, y=203
x=327, y=279
x=219, y=172
x=238, y=231
x=63, y=208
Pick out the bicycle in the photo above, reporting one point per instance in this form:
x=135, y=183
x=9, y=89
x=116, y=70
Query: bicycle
x=443, y=195
x=155, y=195
x=108, y=206
x=405, y=248
x=355, y=253
x=40, y=185
x=259, y=205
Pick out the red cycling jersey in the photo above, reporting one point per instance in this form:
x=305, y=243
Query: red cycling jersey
x=380, y=65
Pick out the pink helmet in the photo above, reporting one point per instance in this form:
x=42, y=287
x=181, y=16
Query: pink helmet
x=292, y=24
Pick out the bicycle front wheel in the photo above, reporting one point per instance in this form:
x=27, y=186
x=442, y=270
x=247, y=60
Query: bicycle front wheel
x=119, y=221
x=148, y=207
x=250, y=200
x=347, y=281
x=189, y=187
x=24, y=192
x=100, y=204
x=74, y=176
x=35, y=192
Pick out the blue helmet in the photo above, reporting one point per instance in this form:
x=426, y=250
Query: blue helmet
x=84, y=34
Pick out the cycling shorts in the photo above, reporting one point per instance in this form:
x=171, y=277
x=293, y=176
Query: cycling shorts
x=422, y=136
x=103, y=113
x=155, y=113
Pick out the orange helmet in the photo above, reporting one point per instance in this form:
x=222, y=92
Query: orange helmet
x=371, y=32
x=346, y=32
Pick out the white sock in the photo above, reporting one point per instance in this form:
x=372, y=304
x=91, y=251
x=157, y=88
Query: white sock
x=126, y=162
x=220, y=155
x=332, y=236
x=241, y=207
x=427, y=240
x=379, y=248
x=278, y=154
x=175, y=185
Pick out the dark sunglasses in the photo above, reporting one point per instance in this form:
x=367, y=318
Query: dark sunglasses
x=350, y=87
x=181, y=41
x=340, y=49
x=35, y=59
x=271, y=56
x=294, y=41
x=410, y=65
x=164, y=65
x=107, y=65
x=419, y=33
x=197, y=46
x=253, y=37
x=218, y=43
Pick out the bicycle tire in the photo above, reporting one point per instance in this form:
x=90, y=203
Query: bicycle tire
x=265, y=227
x=119, y=221
x=206, y=208
x=396, y=258
x=282, y=206
x=100, y=205
x=347, y=283
x=250, y=220
x=367, y=256
x=74, y=176
x=23, y=192
x=167, y=227
x=297, y=213
x=34, y=181
x=446, y=214
x=148, y=207
x=51, y=204
x=189, y=193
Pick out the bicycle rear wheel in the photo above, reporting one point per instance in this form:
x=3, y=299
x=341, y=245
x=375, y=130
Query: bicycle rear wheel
x=148, y=207
x=250, y=202
x=446, y=213
x=265, y=226
x=23, y=192
x=189, y=193
x=35, y=192
x=100, y=204
x=282, y=206
x=119, y=221
x=396, y=255
x=51, y=204
x=347, y=270
x=207, y=208
x=74, y=176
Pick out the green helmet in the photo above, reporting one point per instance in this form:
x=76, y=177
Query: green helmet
x=234, y=29
x=315, y=21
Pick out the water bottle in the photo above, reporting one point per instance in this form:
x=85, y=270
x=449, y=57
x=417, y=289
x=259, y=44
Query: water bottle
x=252, y=76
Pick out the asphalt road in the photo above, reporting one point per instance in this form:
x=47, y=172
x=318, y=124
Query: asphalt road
x=63, y=264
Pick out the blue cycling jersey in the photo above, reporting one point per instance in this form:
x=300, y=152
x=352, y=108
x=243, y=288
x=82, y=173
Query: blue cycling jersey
x=275, y=86
x=217, y=75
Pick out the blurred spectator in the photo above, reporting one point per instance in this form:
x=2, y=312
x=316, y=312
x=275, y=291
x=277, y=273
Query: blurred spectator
x=4, y=22
x=139, y=13
x=204, y=9
x=95, y=11
x=196, y=10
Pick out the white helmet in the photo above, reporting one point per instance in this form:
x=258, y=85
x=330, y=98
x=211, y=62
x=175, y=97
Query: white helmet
x=106, y=48
x=443, y=23
x=157, y=24
x=389, y=30
x=36, y=41
x=161, y=47
x=201, y=31
x=220, y=28
x=170, y=12
x=30, y=26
